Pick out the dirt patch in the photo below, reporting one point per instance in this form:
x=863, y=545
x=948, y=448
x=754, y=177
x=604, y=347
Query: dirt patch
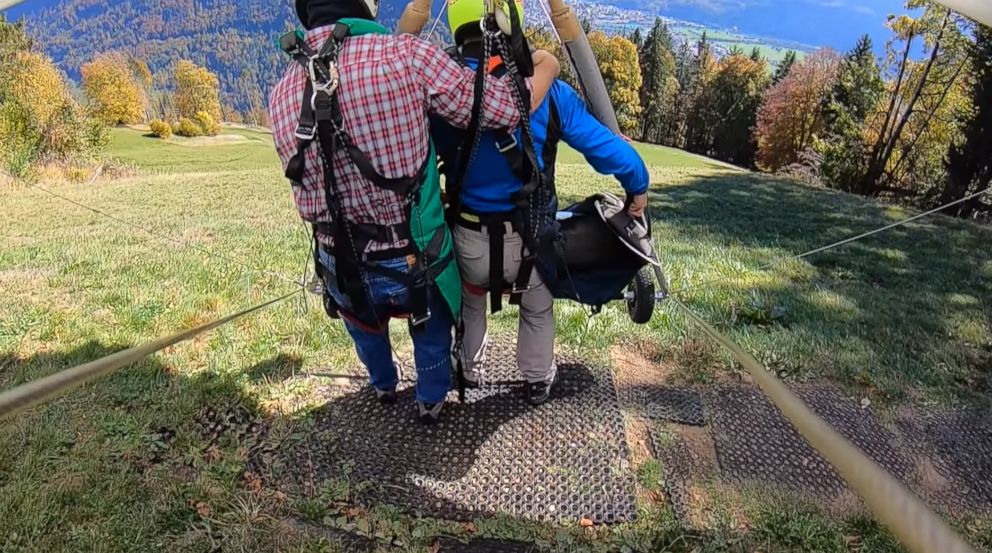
x=699, y=444
x=637, y=365
x=638, y=438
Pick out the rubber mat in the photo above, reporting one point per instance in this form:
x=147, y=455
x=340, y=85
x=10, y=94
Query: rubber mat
x=664, y=403
x=565, y=460
x=959, y=444
x=754, y=442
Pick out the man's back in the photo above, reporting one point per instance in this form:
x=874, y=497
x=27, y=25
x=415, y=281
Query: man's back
x=489, y=181
x=389, y=84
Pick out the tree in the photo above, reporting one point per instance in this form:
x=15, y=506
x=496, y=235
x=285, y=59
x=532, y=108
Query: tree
x=917, y=92
x=784, y=66
x=39, y=119
x=855, y=94
x=727, y=110
x=756, y=54
x=658, y=84
x=637, y=39
x=791, y=114
x=969, y=163
x=197, y=89
x=698, y=76
x=114, y=89
x=618, y=62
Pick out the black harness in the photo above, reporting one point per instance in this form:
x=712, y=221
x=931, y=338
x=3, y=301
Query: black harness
x=321, y=121
x=533, y=203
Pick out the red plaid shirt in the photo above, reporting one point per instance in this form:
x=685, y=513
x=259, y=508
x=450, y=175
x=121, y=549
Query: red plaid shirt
x=389, y=85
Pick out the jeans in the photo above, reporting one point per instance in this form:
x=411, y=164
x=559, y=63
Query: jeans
x=431, y=342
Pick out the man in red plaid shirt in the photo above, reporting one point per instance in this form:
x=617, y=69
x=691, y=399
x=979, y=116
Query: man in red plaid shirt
x=389, y=85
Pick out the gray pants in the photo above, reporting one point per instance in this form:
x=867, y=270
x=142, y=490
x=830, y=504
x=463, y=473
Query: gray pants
x=536, y=334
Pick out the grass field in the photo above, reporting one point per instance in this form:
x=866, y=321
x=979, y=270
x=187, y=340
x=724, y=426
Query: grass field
x=120, y=465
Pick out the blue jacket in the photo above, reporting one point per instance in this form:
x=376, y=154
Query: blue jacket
x=489, y=181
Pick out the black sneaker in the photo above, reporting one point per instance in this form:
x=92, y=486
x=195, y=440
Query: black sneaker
x=429, y=413
x=538, y=393
x=386, y=397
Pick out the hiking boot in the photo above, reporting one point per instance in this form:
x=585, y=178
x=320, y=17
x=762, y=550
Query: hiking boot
x=538, y=393
x=429, y=413
x=386, y=397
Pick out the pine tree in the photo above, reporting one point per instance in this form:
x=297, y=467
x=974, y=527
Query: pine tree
x=637, y=39
x=856, y=92
x=699, y=132
x=657, y=82
x=687, y=79
x=969, y=164
x=784, y=66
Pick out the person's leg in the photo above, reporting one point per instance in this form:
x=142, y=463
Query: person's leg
x=373, y=347
x=376, y=354
x=536, y=334
x=472, y=249
x=432, y=352
x=536, y=330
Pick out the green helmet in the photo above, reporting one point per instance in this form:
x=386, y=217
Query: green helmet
x=463, y=15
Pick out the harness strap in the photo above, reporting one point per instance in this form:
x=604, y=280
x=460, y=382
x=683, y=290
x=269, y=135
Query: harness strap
x=497, y=233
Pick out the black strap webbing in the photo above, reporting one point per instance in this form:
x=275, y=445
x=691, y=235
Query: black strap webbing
x=497, y=235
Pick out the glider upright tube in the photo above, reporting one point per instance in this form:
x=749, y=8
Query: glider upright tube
x=575, y=44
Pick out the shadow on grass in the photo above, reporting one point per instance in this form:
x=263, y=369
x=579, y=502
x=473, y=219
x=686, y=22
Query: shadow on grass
x=906, y=308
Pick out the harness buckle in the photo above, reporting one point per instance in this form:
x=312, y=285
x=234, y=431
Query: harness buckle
x=519, y=290
x=306, y=132
x=507, y=144
x=417, y=321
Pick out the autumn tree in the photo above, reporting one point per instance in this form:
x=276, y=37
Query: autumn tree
x=116, y=92
x=617, y=58
x=658, y=84
x=197, y=89
x=855, y=94
x=918, y=91
x=727, y=110
x=791, y=114
x=39, y=118
x=969, y=163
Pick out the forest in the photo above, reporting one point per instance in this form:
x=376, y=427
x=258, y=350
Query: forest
x=914, y=125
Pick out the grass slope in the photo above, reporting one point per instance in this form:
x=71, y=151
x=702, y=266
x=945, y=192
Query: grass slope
x=123, y=464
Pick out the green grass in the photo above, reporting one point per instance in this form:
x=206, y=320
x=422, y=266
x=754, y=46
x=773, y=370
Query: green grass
x=121, y=464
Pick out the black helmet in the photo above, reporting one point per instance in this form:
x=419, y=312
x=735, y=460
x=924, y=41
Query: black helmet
x=313, y=13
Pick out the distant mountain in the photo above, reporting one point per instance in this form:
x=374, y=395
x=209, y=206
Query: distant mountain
x=228, y=36
x=834, y=23
x=237, y=38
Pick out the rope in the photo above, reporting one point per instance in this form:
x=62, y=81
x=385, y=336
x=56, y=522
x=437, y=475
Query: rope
x=169, y=239
x=26, y=396
x=551, y=22
x=444, y=8
x=916, y=526
x=840, y=243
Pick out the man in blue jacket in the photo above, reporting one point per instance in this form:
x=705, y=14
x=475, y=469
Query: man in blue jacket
x=490, y=250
